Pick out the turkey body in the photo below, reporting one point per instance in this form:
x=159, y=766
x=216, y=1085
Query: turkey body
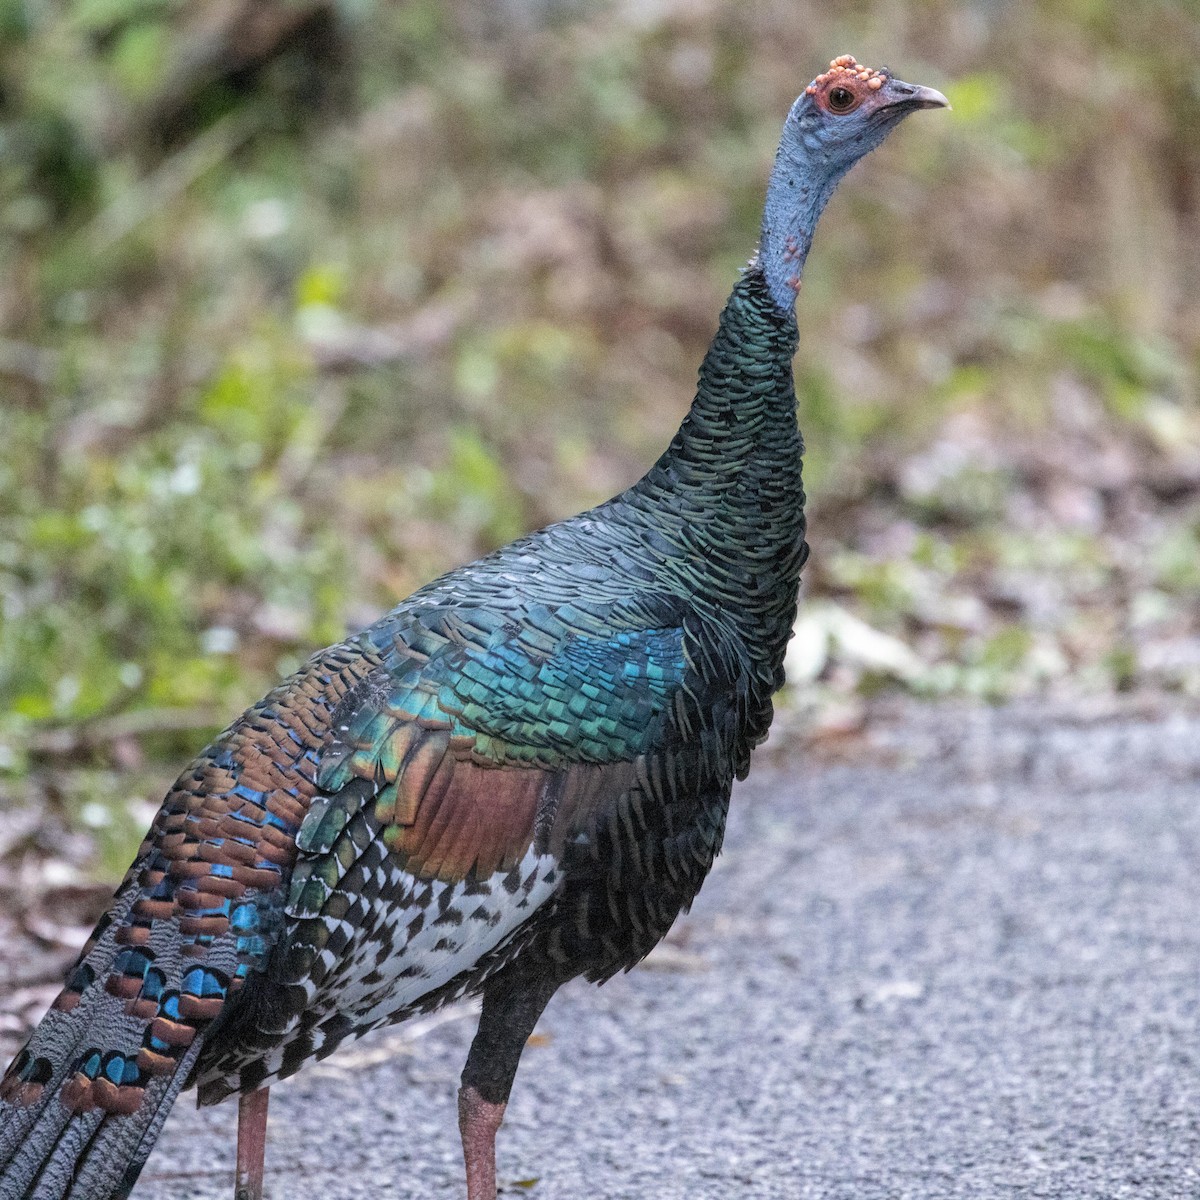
x=564, y=720
x=519, y=775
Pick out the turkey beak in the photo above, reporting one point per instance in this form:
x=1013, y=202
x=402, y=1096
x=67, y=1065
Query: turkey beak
x=911, y=96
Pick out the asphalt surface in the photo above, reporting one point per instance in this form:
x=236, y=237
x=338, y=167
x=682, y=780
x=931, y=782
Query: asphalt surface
x=964, y=961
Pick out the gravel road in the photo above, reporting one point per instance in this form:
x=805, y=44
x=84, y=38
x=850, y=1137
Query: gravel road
x=963, y=961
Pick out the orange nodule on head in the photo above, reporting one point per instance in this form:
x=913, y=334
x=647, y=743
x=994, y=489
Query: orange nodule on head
x=846, y=69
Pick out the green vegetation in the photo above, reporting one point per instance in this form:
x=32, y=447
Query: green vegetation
x=302, y=303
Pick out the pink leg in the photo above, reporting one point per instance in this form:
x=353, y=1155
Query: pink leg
x=252, y=1145
x=478, y=1121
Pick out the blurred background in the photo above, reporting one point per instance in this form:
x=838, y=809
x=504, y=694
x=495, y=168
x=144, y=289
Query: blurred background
x=302, y=303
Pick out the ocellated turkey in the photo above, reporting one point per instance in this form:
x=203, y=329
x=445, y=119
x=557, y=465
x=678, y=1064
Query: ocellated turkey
x=518, y=776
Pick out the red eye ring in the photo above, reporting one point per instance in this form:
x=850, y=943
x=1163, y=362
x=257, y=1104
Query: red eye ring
x=841, y=100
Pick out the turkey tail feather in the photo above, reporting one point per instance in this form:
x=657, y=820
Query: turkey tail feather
x=65, y=1136
x=197, y=913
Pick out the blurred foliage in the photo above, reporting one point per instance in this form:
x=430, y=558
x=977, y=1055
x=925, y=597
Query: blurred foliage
x=302, y=303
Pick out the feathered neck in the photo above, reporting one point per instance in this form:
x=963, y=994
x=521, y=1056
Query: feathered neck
x=728, y=489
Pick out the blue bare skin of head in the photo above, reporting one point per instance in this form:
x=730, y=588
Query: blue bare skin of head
x=842, y=115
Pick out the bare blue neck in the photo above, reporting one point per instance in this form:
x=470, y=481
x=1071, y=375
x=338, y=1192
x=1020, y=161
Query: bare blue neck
x=805, y=175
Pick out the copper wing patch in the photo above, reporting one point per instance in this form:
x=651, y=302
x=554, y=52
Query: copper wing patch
x=473, y=755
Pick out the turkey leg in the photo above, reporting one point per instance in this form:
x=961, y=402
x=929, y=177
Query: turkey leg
x=512, y=1003
x=252, y=1145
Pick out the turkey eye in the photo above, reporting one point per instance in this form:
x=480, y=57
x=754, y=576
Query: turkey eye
x=841, y=100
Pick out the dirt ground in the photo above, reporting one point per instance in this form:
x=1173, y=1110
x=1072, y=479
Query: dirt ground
x=960, y=957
